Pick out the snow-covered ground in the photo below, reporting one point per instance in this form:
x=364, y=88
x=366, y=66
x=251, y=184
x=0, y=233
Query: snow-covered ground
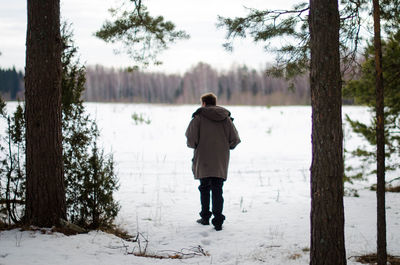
x=267, y=202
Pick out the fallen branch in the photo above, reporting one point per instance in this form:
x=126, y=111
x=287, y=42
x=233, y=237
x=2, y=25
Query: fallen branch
x=142, y=250
x=372, y=258
x=184, y=253
x=187, y=252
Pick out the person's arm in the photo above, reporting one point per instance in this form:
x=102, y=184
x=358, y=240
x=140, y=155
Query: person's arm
x=192, y=132
x=234, y=139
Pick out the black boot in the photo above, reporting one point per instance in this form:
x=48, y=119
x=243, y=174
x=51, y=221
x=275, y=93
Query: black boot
x=217, y=224
x=203, y=221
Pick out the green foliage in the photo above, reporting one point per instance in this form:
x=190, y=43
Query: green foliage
x=142, y=36
x=390, y=12
x=90, y=183
x=139, y=118
x=363, y=91
x=100, y=182
x=12, y=166
x=89, y=175
x=292, y=29
x=12, y=174
x=351, y=193
x=265, y=26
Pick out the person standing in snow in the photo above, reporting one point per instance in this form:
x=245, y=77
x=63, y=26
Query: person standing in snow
x=212, y=135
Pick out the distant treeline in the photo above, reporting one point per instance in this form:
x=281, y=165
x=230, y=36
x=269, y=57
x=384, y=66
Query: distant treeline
x=239, y=85
x=11, y=84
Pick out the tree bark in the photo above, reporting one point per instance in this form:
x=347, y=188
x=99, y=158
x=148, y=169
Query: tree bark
x=45, y=192
x=327, y=169
x=380, y=140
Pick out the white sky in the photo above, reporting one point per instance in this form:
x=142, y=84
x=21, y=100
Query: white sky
x=196, y=17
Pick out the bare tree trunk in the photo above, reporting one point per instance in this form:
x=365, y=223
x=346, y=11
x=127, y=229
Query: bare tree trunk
x=45, y=192
x=380, y=140
x=327, y=213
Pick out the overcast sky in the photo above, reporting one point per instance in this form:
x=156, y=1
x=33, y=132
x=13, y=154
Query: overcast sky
x=196, y=17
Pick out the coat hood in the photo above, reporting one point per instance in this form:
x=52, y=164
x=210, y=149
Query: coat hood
x=214, y=113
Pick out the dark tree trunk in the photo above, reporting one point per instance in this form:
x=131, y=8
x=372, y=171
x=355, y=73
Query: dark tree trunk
x=380, y=140
x=45, y=192
x=327, y=213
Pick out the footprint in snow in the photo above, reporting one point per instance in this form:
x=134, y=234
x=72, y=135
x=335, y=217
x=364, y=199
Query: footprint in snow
x=205, y=242
x=204, y=234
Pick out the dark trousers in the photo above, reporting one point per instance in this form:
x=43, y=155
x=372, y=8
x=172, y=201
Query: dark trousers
x=214, y=185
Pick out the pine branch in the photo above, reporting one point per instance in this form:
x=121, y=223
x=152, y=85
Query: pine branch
x=142, y=36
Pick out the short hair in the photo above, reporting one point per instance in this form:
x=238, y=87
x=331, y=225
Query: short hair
x=210, y=99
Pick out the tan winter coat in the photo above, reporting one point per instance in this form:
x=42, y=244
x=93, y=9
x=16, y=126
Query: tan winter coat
x=212, y=134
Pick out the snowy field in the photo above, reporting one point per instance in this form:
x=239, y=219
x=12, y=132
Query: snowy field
x=267, y=195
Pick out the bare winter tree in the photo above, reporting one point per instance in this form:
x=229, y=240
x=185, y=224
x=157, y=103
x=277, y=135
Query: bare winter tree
x=238, y=85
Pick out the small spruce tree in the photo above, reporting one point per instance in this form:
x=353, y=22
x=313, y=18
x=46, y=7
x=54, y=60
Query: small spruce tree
x=89, y=174
x=90, y=179
x=363, y=92
x=12, y=171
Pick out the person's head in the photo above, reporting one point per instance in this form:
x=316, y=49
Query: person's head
x=208, y=99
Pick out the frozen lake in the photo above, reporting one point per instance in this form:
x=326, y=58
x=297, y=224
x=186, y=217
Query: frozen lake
x=267, y=194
